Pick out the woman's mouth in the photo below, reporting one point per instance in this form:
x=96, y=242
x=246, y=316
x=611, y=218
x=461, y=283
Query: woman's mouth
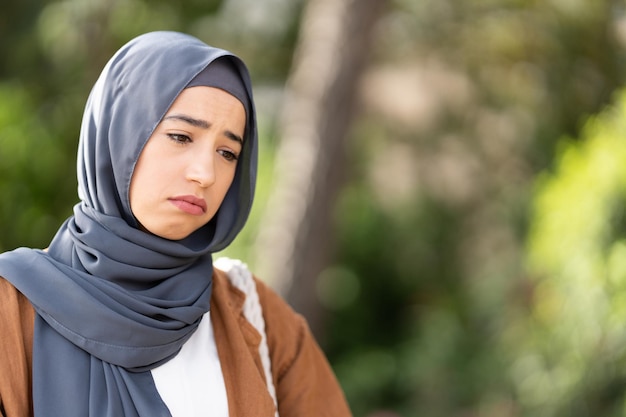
x=189, y=204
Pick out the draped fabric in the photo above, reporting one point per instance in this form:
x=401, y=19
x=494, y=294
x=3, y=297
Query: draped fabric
x=114, y=301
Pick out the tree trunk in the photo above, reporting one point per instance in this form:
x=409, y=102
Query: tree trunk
x=295, y=240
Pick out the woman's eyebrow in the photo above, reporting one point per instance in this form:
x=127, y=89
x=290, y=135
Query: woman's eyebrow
x=234, y=136
x=203, y=124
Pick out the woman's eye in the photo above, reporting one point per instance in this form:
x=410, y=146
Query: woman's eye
x=178, y=138
x=228, y=155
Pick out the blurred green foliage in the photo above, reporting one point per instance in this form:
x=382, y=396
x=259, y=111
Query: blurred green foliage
x=572, y=355
x=32, y=186
x=480, y=261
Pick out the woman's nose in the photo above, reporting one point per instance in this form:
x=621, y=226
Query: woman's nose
x=201, y=170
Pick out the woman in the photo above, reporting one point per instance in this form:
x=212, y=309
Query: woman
x=124, y=314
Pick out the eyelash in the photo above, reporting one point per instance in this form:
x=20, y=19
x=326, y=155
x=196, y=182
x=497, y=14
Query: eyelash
x=184, y=139
x=178, y=138
x=229, y=156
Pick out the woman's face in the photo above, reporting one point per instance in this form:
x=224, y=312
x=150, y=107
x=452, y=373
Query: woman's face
x=188, y=164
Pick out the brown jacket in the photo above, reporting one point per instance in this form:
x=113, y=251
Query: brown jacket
x=305, y=383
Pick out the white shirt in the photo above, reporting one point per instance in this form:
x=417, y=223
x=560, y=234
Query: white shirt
x=192, y=384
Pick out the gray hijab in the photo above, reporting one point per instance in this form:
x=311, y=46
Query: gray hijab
x=113, y=301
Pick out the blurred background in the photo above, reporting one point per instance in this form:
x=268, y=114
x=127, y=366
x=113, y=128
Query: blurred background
x=442, y=190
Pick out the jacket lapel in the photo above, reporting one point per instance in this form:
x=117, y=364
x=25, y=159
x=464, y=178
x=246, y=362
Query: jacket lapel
x=237, y=346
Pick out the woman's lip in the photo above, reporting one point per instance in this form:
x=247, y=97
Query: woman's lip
x=189, y=204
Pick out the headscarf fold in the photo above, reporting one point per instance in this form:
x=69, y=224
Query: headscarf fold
x=113, y=301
